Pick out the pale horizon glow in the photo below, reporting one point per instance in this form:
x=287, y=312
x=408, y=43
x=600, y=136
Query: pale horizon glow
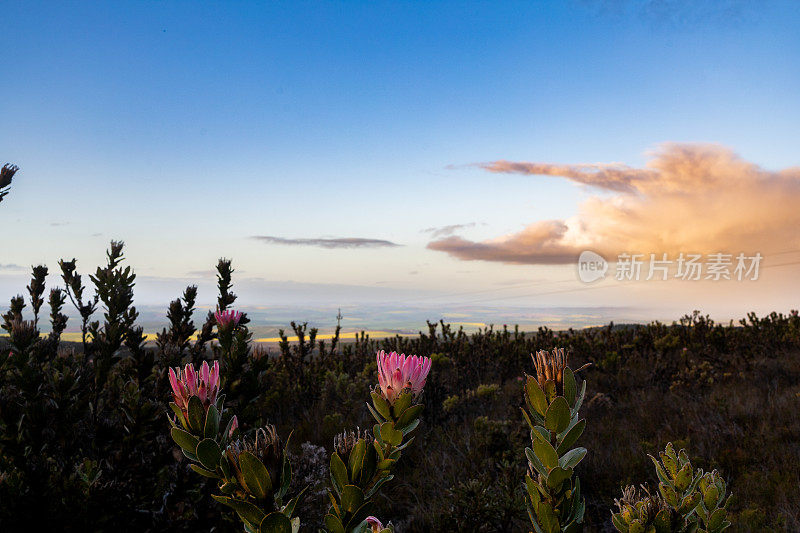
x=439, y=159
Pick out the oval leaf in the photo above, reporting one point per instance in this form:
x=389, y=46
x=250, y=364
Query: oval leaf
x=211, y=427
x=352, y=498
x=557, y=416
x=572, y=436
x=546, y=454
x=535, y=395
x=255, y=475
x=184, y=439
x=208, y=453
x=275, y=523
x=197, y=415
x=572, y=458
x=339, y=475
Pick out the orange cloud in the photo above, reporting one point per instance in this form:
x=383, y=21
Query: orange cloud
x=694, y=198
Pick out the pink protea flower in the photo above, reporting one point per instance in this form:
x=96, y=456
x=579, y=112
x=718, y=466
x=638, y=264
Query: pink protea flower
x=398, y=372
x=187, y=383
x=227, y=319
x=374, y=524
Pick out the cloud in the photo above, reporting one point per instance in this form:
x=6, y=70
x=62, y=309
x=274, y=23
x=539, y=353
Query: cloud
x=693, y=198
x=444, y=231
x=347, y=242
x=12, y=267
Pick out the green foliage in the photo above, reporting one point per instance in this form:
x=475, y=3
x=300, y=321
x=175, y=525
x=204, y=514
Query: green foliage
x=688, y=500
x=554, y=497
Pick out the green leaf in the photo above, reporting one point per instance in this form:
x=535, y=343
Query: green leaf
x=689, y=503
x=546, y=454
x=286, y=475
x=571, y=437
x=378, y=484
x=178, y=413
x=570, y=387
x=558, y=476
x=352, y=498
x=333, y=524
x=256, y=476
x=359, y=516
x=203, y=472
x=579, y=400
x=356, y=459
x=288, y=509
x=339, y=476
x=619, y=523
x=558, y=415
x=684, y=477
x=211, y=427
x=401, y=403
x=378, y=418
x=547, y=518
x=197, y=415
x=246, y=510
x=390, y=435
x=275, y=523
x=408, y=428
x=367, y=466
x=669, y=495
x=184, y=439
x=550, y=390
x=408, y=417
x=572, y=458
x=535, y=395
x=662, y=521
x=538, y=432
x=536, y=463
x=381, y=405
x=208, y=453
x=662, y=476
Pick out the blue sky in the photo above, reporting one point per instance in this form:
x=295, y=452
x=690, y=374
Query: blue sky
x=186, y=128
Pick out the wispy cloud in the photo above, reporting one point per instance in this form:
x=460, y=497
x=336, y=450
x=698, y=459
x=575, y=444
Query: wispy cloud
x=689, y=197
x=345, y=242
x=12, y=267
x=58, y=224
x=444, y=231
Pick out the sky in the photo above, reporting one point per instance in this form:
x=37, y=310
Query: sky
x=406, y=154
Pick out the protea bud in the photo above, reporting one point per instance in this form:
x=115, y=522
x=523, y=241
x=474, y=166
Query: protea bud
x=187, y=383
x=234, y=425
x=398, y=373
x=227, y=320
x=641, y=511
x=375, y=525
x=267, y=448
x=344, y=442
x=550, y=367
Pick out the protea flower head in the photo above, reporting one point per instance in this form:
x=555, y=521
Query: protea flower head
x=398, y=372
x=187, y=383
x=375, y=525
x=550, y=367
x=344, y=442
x=266, y=446
x=227, y=319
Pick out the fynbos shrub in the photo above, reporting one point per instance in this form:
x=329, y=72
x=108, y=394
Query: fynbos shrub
x=554, y=499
